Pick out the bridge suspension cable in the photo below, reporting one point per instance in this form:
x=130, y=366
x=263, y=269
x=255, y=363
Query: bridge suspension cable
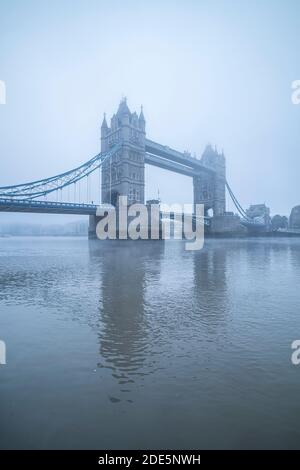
x=45, y=186
x=245, y=218
x=241, y=211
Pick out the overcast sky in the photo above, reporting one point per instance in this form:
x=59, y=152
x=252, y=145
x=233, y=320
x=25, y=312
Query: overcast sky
x=205, y=71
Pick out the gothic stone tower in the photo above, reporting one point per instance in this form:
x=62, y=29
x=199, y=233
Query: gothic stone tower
x=209, y=189
x=124, y=173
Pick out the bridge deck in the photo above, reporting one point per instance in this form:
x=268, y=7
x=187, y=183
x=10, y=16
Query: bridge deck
x=46, y=207
x=51, y=207
x=154, y=160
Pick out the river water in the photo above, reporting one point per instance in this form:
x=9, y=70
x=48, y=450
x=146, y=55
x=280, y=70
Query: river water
x=146, y=345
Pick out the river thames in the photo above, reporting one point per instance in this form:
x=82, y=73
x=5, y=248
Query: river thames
x=142, y=345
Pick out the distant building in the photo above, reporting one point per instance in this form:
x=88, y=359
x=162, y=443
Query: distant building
x=260, y=213
x=294, y=221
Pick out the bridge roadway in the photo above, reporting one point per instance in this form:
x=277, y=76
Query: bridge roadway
x=46, y=207
x=51, y=207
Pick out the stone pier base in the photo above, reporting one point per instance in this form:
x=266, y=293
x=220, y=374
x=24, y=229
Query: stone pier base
x=92, y=227
x=227, y=224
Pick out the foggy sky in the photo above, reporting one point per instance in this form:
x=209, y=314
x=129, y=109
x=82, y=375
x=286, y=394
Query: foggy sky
x=216, y=72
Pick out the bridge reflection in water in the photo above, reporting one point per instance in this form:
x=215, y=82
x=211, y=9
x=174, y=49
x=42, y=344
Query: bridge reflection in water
x=127, y=337
x=139, y=300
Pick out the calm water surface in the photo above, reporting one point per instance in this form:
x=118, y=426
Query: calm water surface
x=146, y=345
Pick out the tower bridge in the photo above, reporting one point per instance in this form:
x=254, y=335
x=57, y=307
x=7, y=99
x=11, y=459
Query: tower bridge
x=124, y=174
x=125, y=151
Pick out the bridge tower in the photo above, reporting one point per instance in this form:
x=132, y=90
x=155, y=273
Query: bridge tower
x=124, y=173
x=210, y=189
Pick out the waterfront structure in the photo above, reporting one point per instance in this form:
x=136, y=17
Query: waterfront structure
x=125, y=150
x=294, y=221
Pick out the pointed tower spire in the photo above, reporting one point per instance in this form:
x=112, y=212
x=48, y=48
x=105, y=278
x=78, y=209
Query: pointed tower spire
x=104, y=123
x=142, y=122
x=104, y=127
x=141, y=116
x=123, y=108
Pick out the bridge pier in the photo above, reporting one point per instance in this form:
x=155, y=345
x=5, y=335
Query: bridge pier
x=92, y=227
